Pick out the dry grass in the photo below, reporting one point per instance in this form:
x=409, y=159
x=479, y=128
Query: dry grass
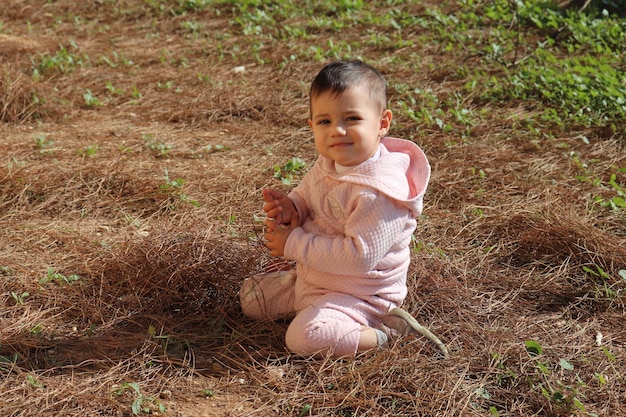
x=114, y=274
x=17, y=98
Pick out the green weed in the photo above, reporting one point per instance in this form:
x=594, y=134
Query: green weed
x=423, y=107
x=141, y=403
x=33, y=382
x=165, y=86
x=61, y=279
x=561, y=394
x=173, y=188
x=207, y=393
x=8, y=360
x=576, y=70
x=113, y=90
x=332, y=50
x=115, y=60
x=43, y=144
x=505, y=374
x=618, y=202
x=160, y=148
x=591, y=90
x=89, y=151
x=135, y=93
x=305, y=410
x=292, y=168
x=428, y=248
x=209, y=149
x=176, y=8
x=63, y=61
x=253, y=21
x=191, y=29
x=604, y=287
x=229, y=223
x=91, y=100
x=20, y=297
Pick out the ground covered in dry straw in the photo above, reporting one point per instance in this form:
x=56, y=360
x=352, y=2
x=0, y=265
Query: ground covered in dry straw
x=135, y=137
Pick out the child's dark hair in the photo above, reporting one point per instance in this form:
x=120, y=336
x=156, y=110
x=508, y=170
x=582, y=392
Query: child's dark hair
x=339, y=76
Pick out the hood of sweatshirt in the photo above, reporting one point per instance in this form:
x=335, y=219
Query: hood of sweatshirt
x=401, y=173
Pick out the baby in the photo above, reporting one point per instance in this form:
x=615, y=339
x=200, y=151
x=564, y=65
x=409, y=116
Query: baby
x=347, y=225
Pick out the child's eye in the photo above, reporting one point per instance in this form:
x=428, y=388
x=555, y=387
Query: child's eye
x=323, y=122
x=353, y=118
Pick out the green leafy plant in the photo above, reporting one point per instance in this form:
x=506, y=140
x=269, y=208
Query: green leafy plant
x=207, y=392
x=135, y=93
x=20, y=297
x=63, y=61
x=292, y=168
x=587, y=89
x=575, y=70
x=165, y=86
x=605, y=288
x=191, y=29
x=113, y=90
x=173, y=187
x=597, y=271
x=229, y=223
x=209, y=149
x=505, y=373
x=91, y=100
x=162, y=149
x=424, y=107
x=141, y=403
x=560, y=394
x=305, y=410
x=61, y=279
x=43, y=144
x=33, y=382
x=90, y=151
x=429, y=248
x=116, y=60
x=618, y=202
x=8, y=360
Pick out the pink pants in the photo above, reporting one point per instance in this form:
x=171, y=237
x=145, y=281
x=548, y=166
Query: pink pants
x=328, y=322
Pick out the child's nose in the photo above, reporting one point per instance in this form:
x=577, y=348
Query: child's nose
x=339, y=129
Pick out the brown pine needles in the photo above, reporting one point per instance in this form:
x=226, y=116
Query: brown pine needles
x=128, y=223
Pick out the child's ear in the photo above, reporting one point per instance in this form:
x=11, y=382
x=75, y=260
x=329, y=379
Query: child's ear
x=310, y=122
x=385, y=121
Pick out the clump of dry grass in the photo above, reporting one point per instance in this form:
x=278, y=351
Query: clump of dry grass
x=502, y=256
x=550, y=239
x=177, y=272
x=19, y=99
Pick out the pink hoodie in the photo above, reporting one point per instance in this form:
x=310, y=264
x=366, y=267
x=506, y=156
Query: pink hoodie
x=356, y=227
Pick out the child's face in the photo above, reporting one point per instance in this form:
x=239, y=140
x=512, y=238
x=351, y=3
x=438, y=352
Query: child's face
x=348, y=127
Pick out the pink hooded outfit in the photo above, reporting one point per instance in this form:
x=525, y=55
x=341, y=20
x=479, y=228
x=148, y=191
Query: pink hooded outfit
x=351, y=250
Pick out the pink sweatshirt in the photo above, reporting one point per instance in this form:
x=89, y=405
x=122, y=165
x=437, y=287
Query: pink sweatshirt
x=356, y=227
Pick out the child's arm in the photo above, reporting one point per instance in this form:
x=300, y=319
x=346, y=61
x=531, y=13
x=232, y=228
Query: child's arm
x=371, y=230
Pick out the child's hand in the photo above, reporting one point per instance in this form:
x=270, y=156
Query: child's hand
x=277, y=233
x=278, y=206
